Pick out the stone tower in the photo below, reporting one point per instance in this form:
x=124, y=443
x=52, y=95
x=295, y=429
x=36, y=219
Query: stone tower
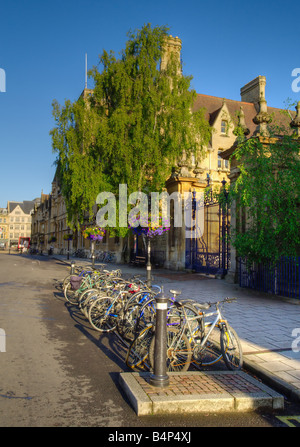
x=172, y=47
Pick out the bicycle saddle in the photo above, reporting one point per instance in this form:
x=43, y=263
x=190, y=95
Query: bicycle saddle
x=175, y=292
x=202, y=305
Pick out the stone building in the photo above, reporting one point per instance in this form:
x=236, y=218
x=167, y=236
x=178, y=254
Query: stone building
x=4, y=225
x=19, y=216
x=207, y=251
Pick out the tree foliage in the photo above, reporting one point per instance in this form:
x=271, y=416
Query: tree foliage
x=135, y=126
x=268, y=190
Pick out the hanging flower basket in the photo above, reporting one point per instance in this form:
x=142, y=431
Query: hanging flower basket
x=52, y=239
x=68, y=237
x=93, y=233
x=151, y=230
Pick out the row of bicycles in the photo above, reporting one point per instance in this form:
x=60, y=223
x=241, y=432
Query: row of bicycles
x=197, y=333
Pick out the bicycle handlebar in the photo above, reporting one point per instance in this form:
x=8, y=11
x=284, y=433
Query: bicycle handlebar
x=226, y=300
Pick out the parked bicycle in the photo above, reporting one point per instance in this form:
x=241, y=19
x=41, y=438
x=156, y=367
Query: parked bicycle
x=197, y=333
x=195, y=337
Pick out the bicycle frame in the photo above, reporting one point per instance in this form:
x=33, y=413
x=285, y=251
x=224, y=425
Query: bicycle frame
x=216, y=323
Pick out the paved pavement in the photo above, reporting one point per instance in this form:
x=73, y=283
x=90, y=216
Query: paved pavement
x=268, y=326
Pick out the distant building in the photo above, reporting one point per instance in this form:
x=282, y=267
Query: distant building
x=3, y=228
x=19, y=216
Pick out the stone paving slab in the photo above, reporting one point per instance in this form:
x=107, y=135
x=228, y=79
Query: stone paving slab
x=193, y=392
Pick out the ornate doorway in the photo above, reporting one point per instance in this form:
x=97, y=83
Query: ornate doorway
x=207, y=250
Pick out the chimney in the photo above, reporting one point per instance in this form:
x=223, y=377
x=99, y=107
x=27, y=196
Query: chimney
x=254, y=91
x=172, y=46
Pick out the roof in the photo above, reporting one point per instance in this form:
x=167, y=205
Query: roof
x=26, y=206
x=213, y=105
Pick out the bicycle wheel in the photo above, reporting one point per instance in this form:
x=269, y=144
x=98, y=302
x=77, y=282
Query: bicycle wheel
x=206, y=355
x=179, y=353
x=102, y=315
x=87, y=298
x=138, y=351
x=140, y=297
x=127, y=323
x=231, y=348
x=146, y=315
x=72, y=296
x=66, y=281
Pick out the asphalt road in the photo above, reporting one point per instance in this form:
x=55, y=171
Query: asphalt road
x=57, y=371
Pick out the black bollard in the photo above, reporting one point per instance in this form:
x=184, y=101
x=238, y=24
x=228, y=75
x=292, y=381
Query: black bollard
x=159, y=378
x=148, y=262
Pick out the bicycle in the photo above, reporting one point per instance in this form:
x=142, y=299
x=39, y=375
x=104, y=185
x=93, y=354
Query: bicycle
x=76, y=285
x=104, y=311
x=138, y=350
x=191, y=338
x=145, y=328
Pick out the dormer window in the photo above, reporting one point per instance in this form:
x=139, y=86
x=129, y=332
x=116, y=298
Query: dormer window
x=223, y=126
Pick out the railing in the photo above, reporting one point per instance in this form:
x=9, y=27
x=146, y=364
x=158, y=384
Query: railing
x=283, y=278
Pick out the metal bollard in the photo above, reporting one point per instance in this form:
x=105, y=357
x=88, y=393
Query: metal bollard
x=72, y=268
x=159, y=378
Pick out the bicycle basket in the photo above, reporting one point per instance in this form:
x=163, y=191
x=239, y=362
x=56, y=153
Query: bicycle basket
x=75, y=282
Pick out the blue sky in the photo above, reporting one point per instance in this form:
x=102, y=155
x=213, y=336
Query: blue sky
x=43, y=46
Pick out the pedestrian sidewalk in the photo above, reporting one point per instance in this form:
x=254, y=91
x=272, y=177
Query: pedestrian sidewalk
x=268, y=326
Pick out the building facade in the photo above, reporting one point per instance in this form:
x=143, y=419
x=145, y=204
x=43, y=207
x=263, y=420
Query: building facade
x=4, y=225
x=18, y=220
x=205, y=251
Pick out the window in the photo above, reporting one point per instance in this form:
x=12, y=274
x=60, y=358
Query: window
x=219, y=159
x=222, y=164
x=223, y=126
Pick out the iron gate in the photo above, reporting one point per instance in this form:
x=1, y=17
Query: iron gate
x=207, y=251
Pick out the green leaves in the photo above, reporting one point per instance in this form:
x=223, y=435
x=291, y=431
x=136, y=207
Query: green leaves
x=132, y=130
x=267, y=192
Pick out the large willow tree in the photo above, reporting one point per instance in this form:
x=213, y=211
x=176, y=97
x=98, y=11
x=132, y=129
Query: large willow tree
x=134, y=127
